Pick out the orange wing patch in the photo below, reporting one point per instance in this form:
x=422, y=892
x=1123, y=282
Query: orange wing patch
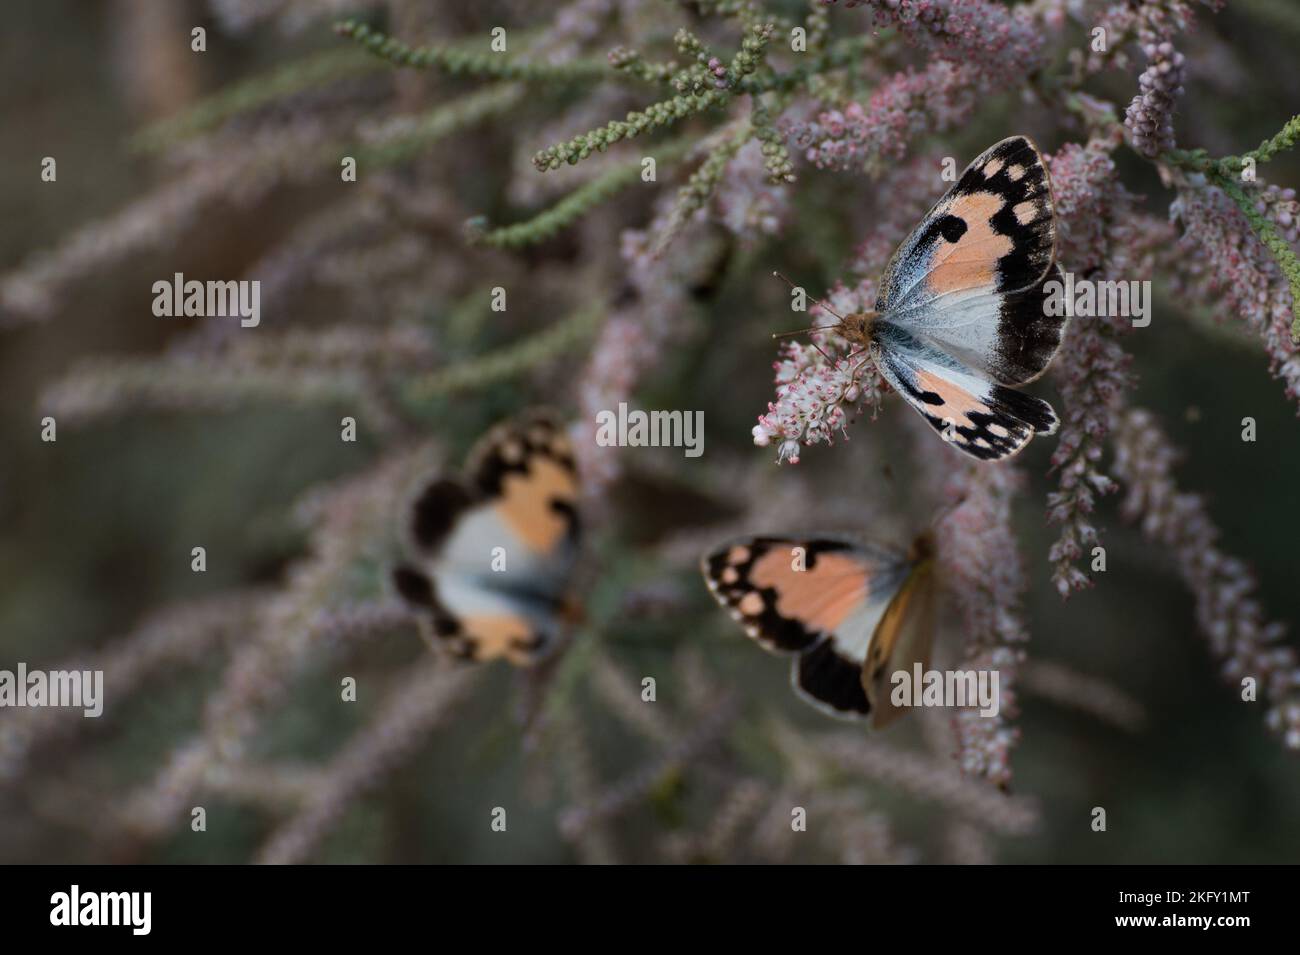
x=971, y=260
x=822, y=596
x=994, y=229
x=499, y=636
x=784, y=609
x=955, y=402
x=527, y=501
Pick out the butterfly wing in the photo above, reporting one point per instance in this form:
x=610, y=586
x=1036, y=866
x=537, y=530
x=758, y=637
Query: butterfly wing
x=985, y=420
x=994, y=229
x=903, y=638
x=497, y=548
x=1009, y=338
x=825, y=612
x=973, y=277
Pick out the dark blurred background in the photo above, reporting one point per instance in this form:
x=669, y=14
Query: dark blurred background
x=99, y=526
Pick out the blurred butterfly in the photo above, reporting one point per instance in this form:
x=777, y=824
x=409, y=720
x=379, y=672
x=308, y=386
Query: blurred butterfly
x=960, y=318
x=853, y=613
x=497, y=546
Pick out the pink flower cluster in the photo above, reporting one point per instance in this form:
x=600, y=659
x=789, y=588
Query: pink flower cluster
x=1228, y=262
x=907, y=104
x=984, y=574
x=1150, y=117
x=1223, y=587
x=746, y=202
x=1103, y=235
x=984, y=744
x=819, y=387
x=1092, y=370
x=999, y=43
x=974, y=47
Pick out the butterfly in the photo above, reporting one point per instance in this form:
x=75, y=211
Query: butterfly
x=497, y=546
x=853, y=613
x=961, y=317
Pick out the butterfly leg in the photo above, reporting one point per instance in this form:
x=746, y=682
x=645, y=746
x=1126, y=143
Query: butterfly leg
x=861, y=351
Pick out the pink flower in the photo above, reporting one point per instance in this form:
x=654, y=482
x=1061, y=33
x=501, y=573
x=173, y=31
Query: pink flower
x=819, y=387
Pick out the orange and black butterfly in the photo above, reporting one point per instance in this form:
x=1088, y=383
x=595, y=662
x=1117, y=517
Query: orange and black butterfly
x=852, y=613
x=961, y=318
x=496, y=547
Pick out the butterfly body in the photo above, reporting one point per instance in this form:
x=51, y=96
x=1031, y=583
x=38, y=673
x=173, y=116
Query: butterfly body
x=961, y=318
x=857, y=328
x=850, y=612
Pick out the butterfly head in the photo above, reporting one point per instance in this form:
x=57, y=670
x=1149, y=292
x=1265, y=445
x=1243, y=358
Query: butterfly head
x=856, y=328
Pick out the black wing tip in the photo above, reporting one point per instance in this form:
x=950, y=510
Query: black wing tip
x=436, y=510
x=1005, y=430
x=538, y=432
x=1035, y=412
x=418, y=590
x=1028, y=335
x=413, y=586
x=1014, y=144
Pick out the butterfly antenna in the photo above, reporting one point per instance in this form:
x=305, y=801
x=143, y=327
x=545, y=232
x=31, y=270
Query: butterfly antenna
x=811, y=328
x=816, y=301
x=801, y=331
